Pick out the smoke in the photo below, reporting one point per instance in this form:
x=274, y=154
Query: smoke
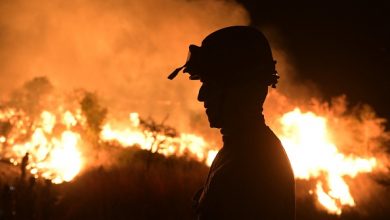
x=123, y=50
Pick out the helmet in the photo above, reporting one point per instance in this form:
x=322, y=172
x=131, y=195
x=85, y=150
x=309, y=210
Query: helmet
x=231, y=54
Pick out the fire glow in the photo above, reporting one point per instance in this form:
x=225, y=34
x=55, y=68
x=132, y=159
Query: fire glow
x=55, y=147
x=178, y=145
x=52, y=154
x=305, y=137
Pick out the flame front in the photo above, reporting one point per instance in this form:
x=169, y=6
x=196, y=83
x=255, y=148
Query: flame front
x=180, y=144
x=54, y=142
x=53, y=154
x=306, y=139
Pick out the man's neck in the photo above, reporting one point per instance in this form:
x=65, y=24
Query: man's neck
x=239, y=125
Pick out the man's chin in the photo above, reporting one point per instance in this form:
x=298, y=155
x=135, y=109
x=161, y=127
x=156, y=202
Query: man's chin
x=214, y=120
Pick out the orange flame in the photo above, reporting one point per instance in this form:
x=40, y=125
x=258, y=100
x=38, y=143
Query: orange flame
x=55, y=157
x=306, y=139
x=182, y=144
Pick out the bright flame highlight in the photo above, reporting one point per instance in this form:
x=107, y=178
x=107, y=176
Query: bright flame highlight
x=54, y=143
x=306, y=139
x=54, y=155
x=179, y=145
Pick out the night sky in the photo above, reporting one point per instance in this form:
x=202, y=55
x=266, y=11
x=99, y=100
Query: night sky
x=344, y=48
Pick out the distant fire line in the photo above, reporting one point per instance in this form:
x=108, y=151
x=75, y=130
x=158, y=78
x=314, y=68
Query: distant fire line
x=56, y=147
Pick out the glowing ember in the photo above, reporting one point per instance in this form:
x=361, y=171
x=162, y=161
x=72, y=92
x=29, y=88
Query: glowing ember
x=306, y=139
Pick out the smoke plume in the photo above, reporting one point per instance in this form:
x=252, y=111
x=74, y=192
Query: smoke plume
x=123, y=50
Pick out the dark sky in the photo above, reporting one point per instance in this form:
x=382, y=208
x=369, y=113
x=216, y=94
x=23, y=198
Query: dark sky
x=344, y=48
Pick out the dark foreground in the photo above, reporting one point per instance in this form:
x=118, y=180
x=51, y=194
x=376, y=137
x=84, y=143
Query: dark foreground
x=138, y=185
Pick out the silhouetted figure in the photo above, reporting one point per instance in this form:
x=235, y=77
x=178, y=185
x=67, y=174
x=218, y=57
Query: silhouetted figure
x=23, y=166
x=251, y=177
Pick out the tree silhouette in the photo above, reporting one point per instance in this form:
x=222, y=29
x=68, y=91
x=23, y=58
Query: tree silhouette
x=94, y=112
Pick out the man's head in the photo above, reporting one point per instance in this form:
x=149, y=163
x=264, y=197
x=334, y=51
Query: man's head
x=236, y=67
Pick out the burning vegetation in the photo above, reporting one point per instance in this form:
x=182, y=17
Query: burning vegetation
x=89, y=160
x=330, y=147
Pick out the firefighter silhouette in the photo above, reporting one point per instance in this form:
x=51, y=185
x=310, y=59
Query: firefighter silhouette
x=251, y=176
x=23, y=166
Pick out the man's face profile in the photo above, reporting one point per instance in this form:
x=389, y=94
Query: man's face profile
x=236, y=67
x=212, y=96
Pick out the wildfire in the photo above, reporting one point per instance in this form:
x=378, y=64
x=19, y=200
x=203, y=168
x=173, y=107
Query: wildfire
x=54, y=142
x=53, y=154
x=155, y=141
x=306, y=139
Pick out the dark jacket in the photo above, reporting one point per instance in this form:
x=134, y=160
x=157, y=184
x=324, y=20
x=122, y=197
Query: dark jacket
x=250, y=178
